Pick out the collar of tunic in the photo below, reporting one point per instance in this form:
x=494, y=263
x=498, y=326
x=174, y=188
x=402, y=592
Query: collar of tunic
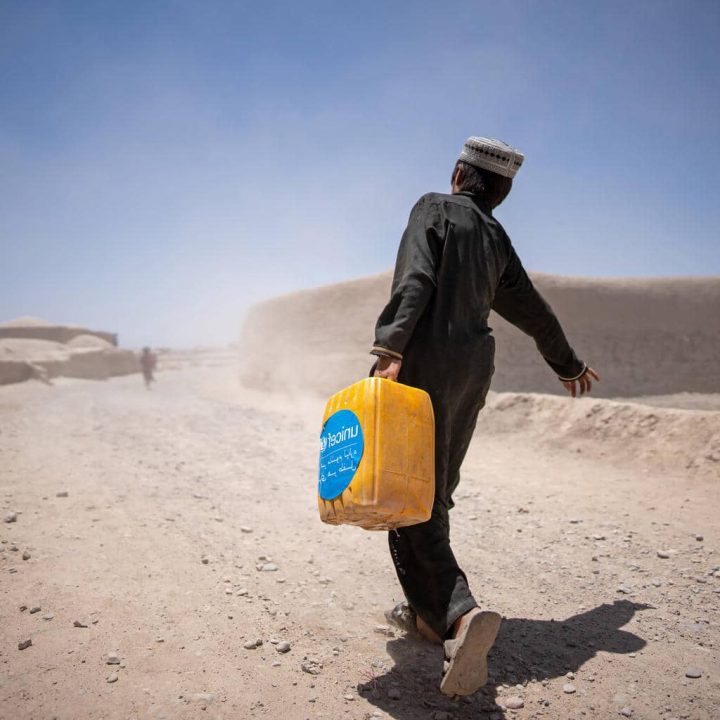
x=478, y=200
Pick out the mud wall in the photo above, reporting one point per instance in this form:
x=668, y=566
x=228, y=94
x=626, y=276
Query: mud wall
x=646, y=336
x=56, y=333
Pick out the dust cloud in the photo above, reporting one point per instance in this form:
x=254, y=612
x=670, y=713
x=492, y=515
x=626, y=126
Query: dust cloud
x=162, y=556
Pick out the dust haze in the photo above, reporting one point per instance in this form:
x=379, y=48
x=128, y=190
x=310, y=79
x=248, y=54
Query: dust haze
x=162, y=556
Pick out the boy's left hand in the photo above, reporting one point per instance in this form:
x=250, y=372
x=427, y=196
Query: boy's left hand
x=584, y=383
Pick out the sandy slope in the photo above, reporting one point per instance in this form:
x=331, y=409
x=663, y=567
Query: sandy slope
x=563, y=543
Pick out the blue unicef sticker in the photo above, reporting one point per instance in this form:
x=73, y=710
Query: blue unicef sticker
x=341, y=449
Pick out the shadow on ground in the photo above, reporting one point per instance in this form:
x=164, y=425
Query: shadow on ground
x=525, y=650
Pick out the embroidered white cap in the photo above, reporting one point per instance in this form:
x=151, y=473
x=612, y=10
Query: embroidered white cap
x=493, y=155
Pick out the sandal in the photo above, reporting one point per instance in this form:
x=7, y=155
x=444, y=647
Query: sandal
x=465, y=667
x=402, y=616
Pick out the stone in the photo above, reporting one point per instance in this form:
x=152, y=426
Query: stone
x=568, y=689
x=311, y=666
x=204, y=698
x=113, y=659
x=384, y=630
x=283, y=646
x=269, y=567
x=24, y=644
x=26, y=555
x=514, y=703
x=62, y=493
x=79, y=624
x=35, y=609
x=627, y=712
x=699, y=538
x=252, y=644
x=693, y=672
x=10, y=517
x=246, y=529
x=664, y=554
x=112, y=678
x=48, y=616
x=204, y=561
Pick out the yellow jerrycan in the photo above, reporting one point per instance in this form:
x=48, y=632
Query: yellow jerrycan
x=377, y=456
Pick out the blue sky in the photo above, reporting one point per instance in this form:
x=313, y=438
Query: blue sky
x=163, y=165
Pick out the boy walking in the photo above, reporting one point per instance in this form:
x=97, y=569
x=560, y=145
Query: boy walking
x=455, y=264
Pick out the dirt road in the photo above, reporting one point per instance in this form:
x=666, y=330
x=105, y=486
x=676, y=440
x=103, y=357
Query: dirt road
x=189, y=531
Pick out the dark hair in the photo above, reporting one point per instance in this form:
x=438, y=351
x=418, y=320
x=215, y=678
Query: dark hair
x=490, y=186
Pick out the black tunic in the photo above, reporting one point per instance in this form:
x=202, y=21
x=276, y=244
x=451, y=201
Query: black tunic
x=454, y=265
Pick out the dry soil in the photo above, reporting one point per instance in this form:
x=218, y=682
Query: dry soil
x=167, y=531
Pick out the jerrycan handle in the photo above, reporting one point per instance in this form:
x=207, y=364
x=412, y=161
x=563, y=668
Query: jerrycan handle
x=374, y=368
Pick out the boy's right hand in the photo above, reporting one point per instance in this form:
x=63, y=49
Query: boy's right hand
x=388, y=368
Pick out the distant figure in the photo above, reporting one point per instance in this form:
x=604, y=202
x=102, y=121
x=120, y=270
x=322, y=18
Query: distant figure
x=148, y=361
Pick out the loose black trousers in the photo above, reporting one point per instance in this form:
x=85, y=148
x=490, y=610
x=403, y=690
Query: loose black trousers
x=433, y=583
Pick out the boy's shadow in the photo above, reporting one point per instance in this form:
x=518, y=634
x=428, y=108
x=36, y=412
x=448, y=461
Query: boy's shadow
x=525, y=650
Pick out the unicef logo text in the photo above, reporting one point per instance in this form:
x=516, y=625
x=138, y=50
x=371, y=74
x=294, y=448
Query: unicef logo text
x=341, y=450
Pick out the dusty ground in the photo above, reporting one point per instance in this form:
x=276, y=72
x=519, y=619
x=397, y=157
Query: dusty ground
x=175, y=498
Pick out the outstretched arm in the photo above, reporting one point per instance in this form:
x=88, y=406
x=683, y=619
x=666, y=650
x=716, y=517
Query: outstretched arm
x=518, y=301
